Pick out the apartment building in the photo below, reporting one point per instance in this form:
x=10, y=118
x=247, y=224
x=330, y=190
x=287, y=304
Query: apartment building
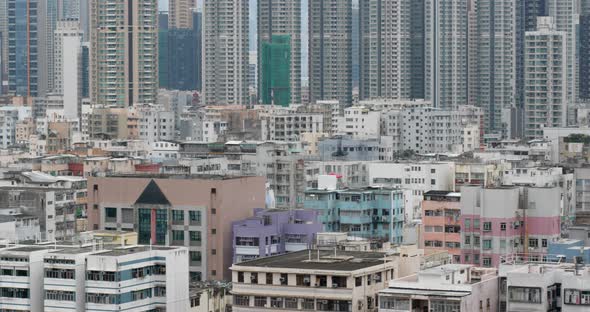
x=124, y=62
x=84, y=278
x=289, y=125
x=271, y=232
x=359, y=122
x=449, y=287
x=178, y=210
x=507, y=220
x=548, y=84
x=543, y=285
x=372, y=213
x=441, y=222
x=544, y=177
x=318, y=280
x=57, y=207
x=22, y=271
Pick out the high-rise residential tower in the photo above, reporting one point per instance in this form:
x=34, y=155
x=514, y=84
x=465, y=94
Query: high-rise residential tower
x=546, y=93
x=446, y=52
x=124, y=51
x=225, y=52
x=29, y=47
x=565, y=17
x=584, y=65
x=180, y=13
x=68, y=66
x=279, y=52
x=330, y=50
x=496, y=59
x=385, y=56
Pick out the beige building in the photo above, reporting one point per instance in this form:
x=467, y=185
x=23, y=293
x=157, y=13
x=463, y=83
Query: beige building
x=124, y=60
x=178, y=210
x=109, y=123
x=180, y=14
x=319, y=280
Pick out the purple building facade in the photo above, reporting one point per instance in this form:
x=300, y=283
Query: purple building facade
x=271, y=232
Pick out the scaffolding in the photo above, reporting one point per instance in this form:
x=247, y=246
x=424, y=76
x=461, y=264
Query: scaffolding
x=275, y=61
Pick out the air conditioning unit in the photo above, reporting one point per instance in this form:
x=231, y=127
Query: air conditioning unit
x=334, y=285
x=323, y=301
x=282, y=279
x=306, y=280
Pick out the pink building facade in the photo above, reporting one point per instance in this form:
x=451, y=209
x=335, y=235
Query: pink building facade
x=441, y=222
x=507, y=221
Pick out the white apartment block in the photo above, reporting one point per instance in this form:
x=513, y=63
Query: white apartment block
x=8, y=119
x=543, y=285
x=445, y=288
x=360, y=122
x=68, y=66
x=87, y=278
x=419, y=177
x=155, y=123
x=546, y=78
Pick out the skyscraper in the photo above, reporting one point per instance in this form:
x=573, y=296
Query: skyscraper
x=225, y=52
x=584, y=70
x=180, y=14
x=496, y=59
x=386, y=48
x=279, y=52
x=446, y=52
x=124, y=65
x=180, y=56
x=330, y=50
x=564, y=13
x=28, y=53
x=545, y=78
x=68, y=66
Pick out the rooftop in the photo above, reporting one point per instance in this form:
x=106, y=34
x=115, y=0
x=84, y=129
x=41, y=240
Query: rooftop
x=131, y=250
x=176, y=176
x=344, y=260
x=25, y=249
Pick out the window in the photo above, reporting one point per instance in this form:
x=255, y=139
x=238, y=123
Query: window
x=544, y=243
x=487, y=226
x=358, y=281
x=213, y=231
x=213, y=251
x=533, y=243
x=195, y=237
x=503, y=226
x=259, y=301
x=577, y=297
x=476, y=241
x=60, y=295
x=195, y=256
x=194, y=217
x=178, y=236
x=240, y=277
x=487, y=262
x=110, y=214
x=502, y=244
x=393, y=303
x=487, y=244
x=241, y=300
x=177, y=216
x=476, y=224
x=467, y=240
x=525, y=294
x=467, y=223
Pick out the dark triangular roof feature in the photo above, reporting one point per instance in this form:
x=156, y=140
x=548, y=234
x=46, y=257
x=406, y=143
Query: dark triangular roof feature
x=152, y=194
